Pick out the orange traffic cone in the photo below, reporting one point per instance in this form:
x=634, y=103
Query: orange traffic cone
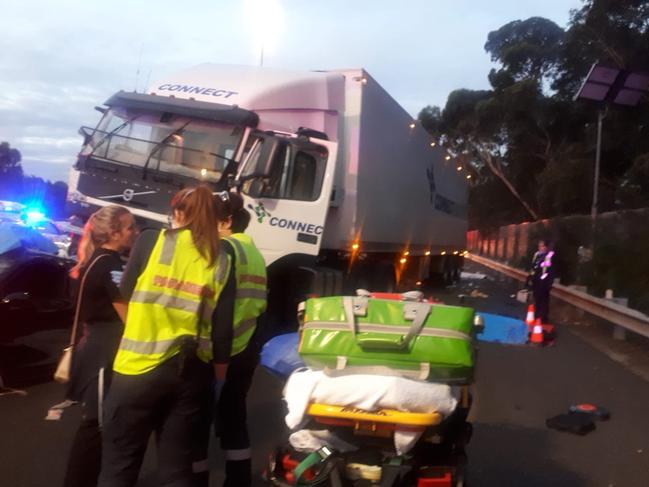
x=536, y=338
x=529, y=319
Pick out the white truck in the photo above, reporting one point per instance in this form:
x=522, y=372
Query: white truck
x=345, y=189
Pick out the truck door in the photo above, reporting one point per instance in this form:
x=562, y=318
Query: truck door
x=286, y=184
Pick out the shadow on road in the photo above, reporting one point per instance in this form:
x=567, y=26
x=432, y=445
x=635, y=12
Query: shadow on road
x=504, y=455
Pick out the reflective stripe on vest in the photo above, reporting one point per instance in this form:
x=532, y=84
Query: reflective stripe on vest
x=251, y=293
x=250, y=303
x=175, y=292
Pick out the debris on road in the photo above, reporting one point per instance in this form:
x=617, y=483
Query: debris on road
x=576, y=423
x=472, y=275
x=55, y=412
x=6, y=391
x=476, y=293
x=522, y=296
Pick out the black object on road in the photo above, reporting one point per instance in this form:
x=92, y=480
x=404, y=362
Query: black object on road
x=577, y=423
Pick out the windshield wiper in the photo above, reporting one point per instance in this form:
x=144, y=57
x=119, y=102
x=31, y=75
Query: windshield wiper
x=156, y=148
x=111, y=133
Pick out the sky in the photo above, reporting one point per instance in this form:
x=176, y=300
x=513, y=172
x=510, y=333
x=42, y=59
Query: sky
x=58, y=60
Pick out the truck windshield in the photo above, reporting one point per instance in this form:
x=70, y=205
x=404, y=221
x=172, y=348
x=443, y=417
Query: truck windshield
x=170, y=143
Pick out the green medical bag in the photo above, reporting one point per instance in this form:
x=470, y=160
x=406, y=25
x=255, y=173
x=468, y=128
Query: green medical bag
x=419, y=340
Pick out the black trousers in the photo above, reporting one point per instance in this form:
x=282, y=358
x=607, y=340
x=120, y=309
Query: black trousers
x=162, y=401
x=230, y=418
x=541, y=291
x=84, y=461
x=232, y=410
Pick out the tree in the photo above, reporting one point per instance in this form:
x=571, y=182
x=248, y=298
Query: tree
x=10, y=161
x=474, y=125
x=526, y=49
x=615, y=32
x=488, y=127
x=11, y=172
x=528, y=136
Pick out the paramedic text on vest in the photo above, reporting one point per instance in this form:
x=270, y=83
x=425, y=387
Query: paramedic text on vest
x=163, y=375
x=542, y=275
x=173, y=298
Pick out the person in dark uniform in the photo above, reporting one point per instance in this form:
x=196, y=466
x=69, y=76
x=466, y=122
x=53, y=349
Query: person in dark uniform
x=176, y=343
x=109, y=232
x=230, y=413
x=541, y=277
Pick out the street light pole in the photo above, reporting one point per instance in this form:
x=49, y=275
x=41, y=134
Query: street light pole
x=598, y=156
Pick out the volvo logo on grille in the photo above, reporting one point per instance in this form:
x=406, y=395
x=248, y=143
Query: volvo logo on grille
x=127, y=195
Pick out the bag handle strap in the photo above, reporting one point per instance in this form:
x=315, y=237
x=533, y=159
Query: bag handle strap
x=75, y=323
x=350, y=316
x=417, y=311
x=413, y=311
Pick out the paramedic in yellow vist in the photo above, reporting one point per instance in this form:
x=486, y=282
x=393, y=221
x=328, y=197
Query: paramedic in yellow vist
x=249, y=269
x=177, y=341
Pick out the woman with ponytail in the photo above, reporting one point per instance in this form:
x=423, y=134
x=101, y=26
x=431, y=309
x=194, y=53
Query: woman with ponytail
x=176, y=343
x=100, y=312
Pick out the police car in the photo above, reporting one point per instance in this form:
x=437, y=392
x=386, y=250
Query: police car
x=10, y=211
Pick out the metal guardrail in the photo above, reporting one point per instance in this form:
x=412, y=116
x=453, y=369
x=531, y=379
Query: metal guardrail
x=630, y=319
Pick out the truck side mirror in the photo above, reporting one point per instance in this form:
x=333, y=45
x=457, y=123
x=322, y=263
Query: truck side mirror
x=86, y=134
x=260, y=161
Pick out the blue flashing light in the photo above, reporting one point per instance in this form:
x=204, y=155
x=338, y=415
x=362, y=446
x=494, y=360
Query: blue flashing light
x=34, y=215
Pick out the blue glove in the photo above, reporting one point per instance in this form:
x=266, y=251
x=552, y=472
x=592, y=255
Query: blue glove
x=217, y=422
x=116, y=276
x=217, y=388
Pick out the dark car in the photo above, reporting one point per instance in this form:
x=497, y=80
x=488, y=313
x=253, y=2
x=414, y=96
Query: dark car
x=34, y=292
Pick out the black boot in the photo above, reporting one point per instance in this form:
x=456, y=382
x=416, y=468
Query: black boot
x=201, y=479
x=85, y=456
x=238, y=473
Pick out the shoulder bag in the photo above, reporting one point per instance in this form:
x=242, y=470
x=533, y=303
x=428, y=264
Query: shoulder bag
x=62, y=373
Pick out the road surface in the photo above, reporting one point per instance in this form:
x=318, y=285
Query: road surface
x=517, y=388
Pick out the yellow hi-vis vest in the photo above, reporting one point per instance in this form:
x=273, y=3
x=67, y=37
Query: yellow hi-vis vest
x=250, y=274
x=174, y=292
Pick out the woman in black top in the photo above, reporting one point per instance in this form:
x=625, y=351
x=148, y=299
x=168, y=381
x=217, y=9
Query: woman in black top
x=109, y=232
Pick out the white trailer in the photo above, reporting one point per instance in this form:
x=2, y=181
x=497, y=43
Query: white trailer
x=344, y=186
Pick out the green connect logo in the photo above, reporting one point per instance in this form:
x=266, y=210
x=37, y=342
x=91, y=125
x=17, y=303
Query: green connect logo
x=260, y=211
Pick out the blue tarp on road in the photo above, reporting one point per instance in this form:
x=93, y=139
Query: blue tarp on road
x=280, y=356
x=503, y=329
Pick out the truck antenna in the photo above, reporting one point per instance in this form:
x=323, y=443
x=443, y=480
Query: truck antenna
x=137, y=70
x=148, y=78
